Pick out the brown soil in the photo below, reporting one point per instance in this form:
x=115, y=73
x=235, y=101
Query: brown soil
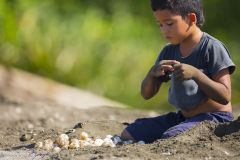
x=40, y=121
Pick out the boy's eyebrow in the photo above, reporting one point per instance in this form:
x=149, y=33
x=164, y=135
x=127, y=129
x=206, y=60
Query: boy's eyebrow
x=165, y=20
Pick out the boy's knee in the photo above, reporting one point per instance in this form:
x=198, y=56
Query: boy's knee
x=170, y=133
x=125, y=135
x=174, y=131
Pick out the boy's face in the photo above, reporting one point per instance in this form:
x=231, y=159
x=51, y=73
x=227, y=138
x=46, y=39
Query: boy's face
x=174, y=27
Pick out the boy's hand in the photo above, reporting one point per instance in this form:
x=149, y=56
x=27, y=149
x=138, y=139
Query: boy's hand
x=184, y=71
x=163, y=67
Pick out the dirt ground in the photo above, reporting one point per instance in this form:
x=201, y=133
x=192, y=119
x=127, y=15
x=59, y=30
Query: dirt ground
x=42, y=120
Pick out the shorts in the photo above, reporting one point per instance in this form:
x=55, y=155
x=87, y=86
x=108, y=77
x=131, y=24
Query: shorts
x=171, y=124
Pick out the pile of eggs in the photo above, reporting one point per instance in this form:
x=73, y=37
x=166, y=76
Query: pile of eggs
x=64, y=142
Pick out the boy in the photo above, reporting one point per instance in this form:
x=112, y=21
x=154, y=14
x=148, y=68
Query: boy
x=199, y=67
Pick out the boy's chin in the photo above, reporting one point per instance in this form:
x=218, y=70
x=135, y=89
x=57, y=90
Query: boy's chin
x=174, y=43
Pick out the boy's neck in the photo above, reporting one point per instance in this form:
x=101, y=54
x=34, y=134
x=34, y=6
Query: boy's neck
x=189, y=43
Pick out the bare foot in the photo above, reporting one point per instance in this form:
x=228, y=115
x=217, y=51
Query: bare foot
x=127, y=136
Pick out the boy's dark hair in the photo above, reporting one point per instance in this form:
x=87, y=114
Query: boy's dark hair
x=182, y=7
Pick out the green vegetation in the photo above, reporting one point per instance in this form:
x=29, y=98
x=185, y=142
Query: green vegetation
x=104, y=46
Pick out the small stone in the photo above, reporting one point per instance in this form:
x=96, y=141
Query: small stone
x=39, y=145
x=26, y=137
x=79, y=125
x=141, y=142
x=70, y=131
x=30, y=126
x=166, y=153
x=226, y=153
x=128, y=142
x=116, y=140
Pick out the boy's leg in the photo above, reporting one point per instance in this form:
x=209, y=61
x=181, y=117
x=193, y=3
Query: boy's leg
x=218, y=117
x=151, y=129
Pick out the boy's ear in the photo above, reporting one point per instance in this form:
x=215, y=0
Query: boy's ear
x=193, y=18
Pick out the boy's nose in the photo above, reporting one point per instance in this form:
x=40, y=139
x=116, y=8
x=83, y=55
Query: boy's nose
x=164, y=30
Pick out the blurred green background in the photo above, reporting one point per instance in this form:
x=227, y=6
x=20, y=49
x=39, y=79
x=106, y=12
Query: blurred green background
x=106, y=47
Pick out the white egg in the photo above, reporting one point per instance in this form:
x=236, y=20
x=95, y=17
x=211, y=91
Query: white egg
x=107, y=140
x=63, y=140
x=109, y=144
x=109, y=136
x=84, y=136
x=56, y=149
x=91, y=141
x=88, y=140
x=74, y=144
x=98, y=142
x=48, y=144
x=84, y=143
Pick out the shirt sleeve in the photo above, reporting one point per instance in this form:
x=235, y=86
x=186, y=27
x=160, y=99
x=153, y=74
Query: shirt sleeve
x=219, y=59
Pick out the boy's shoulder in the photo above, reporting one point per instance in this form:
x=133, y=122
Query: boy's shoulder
x=206, y=39
x=207, y=46
x=212, y=41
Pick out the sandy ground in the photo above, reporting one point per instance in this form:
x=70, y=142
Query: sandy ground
x=45, y=120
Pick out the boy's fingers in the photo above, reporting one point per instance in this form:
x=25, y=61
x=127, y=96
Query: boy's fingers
x=177, y=66
x=168, y=62
x=166, y=67
x=162, y=69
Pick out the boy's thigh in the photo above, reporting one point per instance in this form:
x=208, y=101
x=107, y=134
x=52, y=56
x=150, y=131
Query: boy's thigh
x=151, y=129
x=191, y=122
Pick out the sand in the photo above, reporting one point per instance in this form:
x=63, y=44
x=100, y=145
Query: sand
x=43, y=120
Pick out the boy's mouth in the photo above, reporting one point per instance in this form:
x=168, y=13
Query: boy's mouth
x=168, y=37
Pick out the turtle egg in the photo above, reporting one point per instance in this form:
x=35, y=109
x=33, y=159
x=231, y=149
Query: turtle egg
x=74, y=144
x=109, y=136
x=84, y=136
x=56, y=149
x=48, y=144
x=62, y=140
x=98, y=142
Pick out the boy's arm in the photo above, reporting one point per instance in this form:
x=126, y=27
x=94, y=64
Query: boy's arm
x=150, y=86
x=218, y=88
x=154, y=78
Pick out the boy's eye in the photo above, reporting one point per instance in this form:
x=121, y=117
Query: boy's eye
x=170, y=23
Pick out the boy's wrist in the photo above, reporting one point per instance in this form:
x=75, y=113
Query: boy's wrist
x=196, y=75
x=166, y=77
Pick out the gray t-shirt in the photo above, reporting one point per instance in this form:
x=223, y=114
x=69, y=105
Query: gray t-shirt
x=210, y=56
